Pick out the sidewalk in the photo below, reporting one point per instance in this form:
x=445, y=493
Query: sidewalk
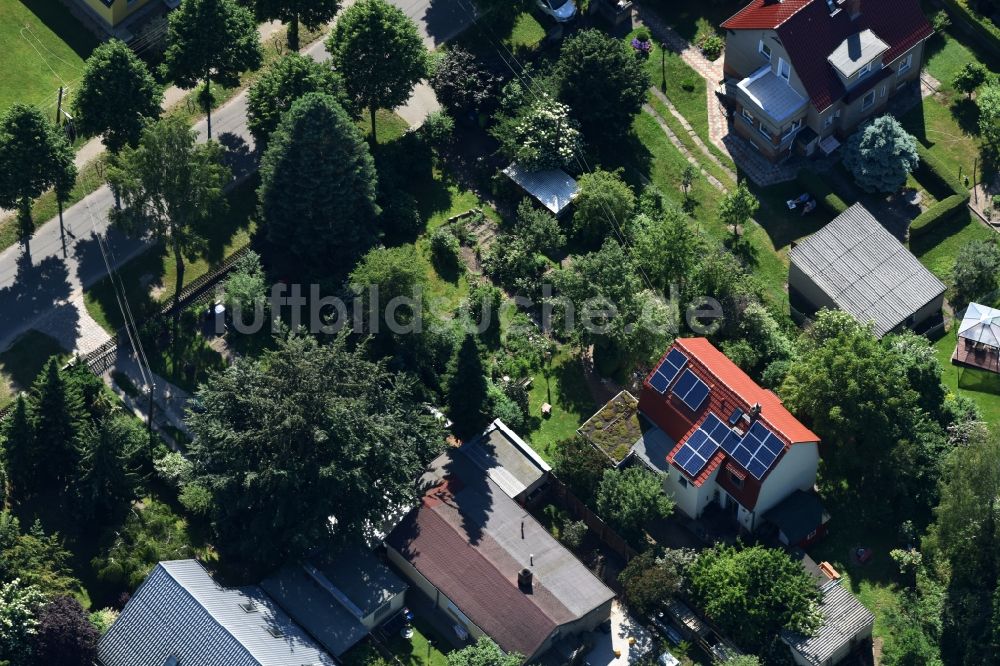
x=169, y=401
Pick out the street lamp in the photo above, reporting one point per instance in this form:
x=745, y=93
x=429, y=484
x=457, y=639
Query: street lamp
x=663, y=66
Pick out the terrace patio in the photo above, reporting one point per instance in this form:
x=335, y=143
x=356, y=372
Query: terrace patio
x=979, y=339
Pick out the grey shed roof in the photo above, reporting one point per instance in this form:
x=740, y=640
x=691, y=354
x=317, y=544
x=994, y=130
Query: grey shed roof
x=845, y=619
x=652, y=448
x=772, y=94
x=856, y=51
x=331, y=598
x=510, y=462
x=865, y=270
x=179, y=611
x=554, y=188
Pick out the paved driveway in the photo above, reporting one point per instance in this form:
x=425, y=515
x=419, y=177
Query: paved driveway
x=438, y=20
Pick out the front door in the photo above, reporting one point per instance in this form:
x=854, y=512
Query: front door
x=732, y=507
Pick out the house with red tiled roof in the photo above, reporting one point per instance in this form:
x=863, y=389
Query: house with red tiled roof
x=728, y=441
x=801, y=75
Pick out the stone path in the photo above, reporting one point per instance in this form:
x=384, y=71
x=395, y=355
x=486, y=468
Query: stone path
x=691, y=133
x=681, y=147
x=73, y=327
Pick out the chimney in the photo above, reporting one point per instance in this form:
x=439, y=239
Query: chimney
x=755, y=411
x=853, y=8
x=854, y=46
x=524, y=580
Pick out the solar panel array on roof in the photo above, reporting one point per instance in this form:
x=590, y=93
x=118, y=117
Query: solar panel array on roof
x=758, y=450
x=667, y=371
x=691, y=390
x=703, y=443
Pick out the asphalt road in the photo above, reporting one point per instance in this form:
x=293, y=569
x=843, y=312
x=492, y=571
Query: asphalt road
x=41, y=282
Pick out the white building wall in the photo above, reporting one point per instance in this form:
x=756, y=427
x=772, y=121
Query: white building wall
x=795, y=471
x=691, y=500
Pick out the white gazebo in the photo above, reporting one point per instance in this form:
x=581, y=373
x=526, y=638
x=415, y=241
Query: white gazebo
x=979, y=338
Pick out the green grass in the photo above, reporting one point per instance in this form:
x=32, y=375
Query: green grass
x=564, y=387
x=660, y=162
x=417, y=650
x=526, y=34
x=981, y=386
x=675, y=125
x=44, y=47
x=21, y=363
x=155, y=269
x=682, y=15
x=947, y=132
x=520, y=32
x=938, y=249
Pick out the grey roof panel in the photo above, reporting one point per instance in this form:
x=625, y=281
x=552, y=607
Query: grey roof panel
x=865, y=270
x=510, y=462
x=844, y=620
x=180, y=611
x=772, y=94
x=652, y=448
x=554, y=188
x=856, y=51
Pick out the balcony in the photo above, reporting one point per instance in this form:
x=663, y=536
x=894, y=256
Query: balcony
x=771, y=96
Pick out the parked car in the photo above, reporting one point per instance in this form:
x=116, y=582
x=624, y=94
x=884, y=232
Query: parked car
x=561, y=10
x=667, y=659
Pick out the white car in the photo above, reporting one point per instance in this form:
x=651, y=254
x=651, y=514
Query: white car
x=561, y=10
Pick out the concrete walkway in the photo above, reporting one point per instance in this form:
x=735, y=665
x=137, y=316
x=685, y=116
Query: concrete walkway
x=169, y=401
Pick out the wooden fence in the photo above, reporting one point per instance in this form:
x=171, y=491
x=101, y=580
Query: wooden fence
x=559, y=494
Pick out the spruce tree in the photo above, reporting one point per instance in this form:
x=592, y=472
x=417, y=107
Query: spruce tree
x=467, y=390
x=317, y=191
x=19, y=449
x=60, y=412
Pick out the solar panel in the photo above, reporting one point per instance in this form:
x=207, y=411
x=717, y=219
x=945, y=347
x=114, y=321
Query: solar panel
x=757, y=468
x=667, y=371
x=735, y=416
x=659, y=382
x=684, y=384
x=743, y=455
x=694, y=464
x=683, y=456
x=758, y=450
x=730, y=442
x=696, y=396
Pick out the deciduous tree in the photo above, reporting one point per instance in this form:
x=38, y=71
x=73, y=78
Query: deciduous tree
x=652, y=578
x=379, y=52
x=171, y=187
x=880, y=155
x=117, y=96
x=665, y=247
x=65, y=635
x=312, y=14
x=630, y=498
x=602, y=81
x=461, y=84
x=738, y=207
x=19, y=604
x=988, y=101
x=484, y=652
x=317, y=191
x=977, y=271
x=34, y=156
x=752, y=594
x=211, y=41
x=603, y=207
x=291, y=446
x=970, y=77
x=281, y=85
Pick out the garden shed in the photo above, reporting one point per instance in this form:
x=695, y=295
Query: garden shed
x=553, y=188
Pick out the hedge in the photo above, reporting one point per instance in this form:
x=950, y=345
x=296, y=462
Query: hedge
x=987, y=34
x=936, y=214
x=819, y=188
x=935, y=176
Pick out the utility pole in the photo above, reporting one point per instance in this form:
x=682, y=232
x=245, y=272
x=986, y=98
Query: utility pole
x=149, y=423
x=975, y=165
x=59, y=108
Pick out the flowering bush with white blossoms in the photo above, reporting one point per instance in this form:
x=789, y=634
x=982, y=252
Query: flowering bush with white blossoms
x=546, y=136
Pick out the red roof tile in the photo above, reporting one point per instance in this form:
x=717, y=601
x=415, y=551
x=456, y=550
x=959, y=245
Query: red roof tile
x=731, y=388
x=764, y=14
x=809, y=34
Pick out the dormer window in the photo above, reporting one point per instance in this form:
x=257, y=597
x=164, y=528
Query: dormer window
x=764, y=49
x=784, y=69
x=865, y=71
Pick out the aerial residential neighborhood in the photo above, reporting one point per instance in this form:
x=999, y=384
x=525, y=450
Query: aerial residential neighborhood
x=499, y=332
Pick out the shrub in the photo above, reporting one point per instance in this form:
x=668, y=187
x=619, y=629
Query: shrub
x=174, y=469
x=976, y=271
x=247, y=284
x=983, y=29
x=935, y=176
x=712, y=47
x=573, y=534
x=445, y=253
x=936, y=214
x=642, y=35
x=940, y=20
x=819, y=188
x=438, y=129
x=400, y=213
x=541, y=136
x=461, y=83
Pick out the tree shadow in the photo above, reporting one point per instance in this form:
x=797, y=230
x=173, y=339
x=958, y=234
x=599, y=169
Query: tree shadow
x=966, y=113
x=443, y=19
x=37, y=289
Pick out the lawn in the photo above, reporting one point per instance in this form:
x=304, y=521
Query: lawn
x=487, y=38
x=939, y=247
x=151, y=278
x=44, y=47
x=983, y=387
x=564, y=387
x=422, y=649
x=21, y=363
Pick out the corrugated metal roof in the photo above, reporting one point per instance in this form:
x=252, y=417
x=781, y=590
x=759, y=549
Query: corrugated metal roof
x=865, y=270
x=554, y=188
x=856, y=51
x=845, y=619
x=180, y=611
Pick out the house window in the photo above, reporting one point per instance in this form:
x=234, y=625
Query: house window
x=737, y=481
x=865, y=71
x=868, y=100
x=905, y=63
x=882, y=94
x=829, y=120
x=764, y=131
x=792, y=129
x=784, y=69
x=747, y=116
x=764, y=49
x=682, y=480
